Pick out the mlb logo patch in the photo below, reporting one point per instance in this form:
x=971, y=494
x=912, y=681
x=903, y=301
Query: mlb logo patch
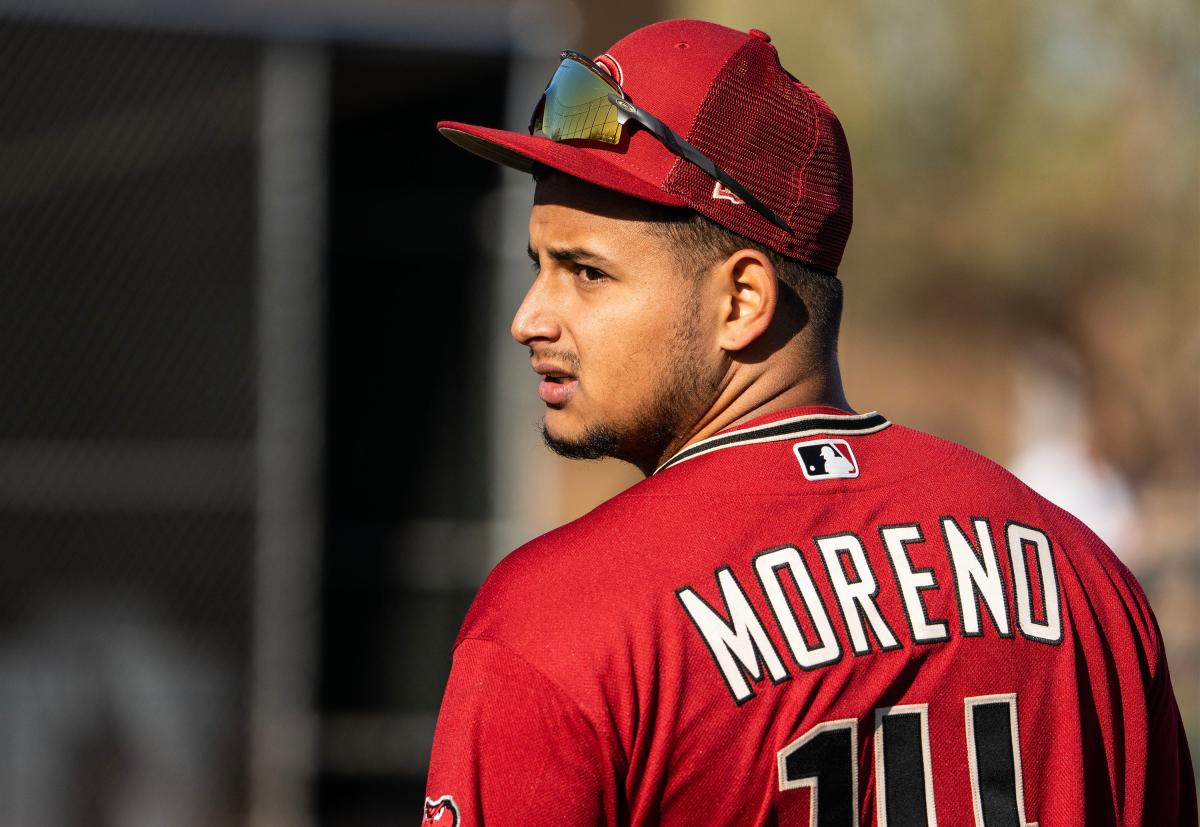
x=826, y=459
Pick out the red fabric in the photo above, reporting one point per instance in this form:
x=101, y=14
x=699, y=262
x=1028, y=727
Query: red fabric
x=593, y=165
x=726, y=93
x=583, y=691
x=516, y=771
x=777, y=137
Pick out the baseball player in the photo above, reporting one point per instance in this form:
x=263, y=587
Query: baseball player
x=804, y=615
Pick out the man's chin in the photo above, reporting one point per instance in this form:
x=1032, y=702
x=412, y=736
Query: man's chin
x=595, y=442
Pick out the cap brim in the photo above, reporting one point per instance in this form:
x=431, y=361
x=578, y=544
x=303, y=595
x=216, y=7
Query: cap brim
x=520, y=152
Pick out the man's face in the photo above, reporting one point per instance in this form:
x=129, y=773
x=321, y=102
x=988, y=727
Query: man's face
x=614, y=326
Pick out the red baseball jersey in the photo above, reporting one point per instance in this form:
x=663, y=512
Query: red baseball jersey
x=817, y=619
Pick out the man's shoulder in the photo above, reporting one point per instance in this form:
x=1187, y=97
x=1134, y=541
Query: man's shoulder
x=991, y=488
x=933, y=454
x=575, y=570
x=978, y=478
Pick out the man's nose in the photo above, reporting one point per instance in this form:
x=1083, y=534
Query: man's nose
x=535, y=319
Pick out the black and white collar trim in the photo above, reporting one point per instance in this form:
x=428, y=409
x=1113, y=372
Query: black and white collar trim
x=792, y=428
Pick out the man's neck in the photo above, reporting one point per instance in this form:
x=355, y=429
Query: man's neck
x=737, y=404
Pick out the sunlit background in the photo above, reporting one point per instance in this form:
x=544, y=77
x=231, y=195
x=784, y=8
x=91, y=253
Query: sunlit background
x=263, y=432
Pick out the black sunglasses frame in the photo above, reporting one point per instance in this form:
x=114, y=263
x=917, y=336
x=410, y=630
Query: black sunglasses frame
x=627, y=110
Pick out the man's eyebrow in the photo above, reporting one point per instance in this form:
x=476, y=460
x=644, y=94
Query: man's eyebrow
x=581, y=254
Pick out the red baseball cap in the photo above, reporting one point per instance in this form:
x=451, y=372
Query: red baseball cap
x=726, y=93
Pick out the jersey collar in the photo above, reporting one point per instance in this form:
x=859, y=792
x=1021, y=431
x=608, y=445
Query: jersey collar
x=783, y=425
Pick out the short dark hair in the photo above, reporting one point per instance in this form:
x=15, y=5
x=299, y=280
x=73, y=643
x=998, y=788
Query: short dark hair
x=812, y=298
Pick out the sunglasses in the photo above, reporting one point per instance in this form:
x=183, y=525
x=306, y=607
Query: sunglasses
x=582, y=102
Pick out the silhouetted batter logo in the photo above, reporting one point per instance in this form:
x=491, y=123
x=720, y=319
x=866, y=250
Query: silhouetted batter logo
x=441, y=812
x=826, y=459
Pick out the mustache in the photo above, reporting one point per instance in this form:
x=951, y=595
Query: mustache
x=566, y=358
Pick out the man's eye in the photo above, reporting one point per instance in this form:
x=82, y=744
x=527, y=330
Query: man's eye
x=591, y=274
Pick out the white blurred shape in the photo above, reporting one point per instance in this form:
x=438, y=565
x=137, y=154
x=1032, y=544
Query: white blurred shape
x=1053, y=455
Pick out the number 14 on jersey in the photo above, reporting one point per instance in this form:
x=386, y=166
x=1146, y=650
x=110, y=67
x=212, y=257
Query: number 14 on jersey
x=824, y=760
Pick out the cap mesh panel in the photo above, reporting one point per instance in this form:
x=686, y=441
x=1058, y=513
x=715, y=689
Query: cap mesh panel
x=776, y=137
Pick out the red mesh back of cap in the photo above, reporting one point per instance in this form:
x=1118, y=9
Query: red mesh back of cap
x=777, y=138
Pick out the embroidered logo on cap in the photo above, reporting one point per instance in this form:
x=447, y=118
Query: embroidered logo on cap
x=826, y=459
x=609, y=64
x=720, y=192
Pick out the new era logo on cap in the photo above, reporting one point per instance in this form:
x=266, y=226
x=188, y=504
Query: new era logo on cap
x=826, y=459
x=721, y=191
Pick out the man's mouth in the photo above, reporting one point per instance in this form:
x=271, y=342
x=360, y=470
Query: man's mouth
x=557, y=386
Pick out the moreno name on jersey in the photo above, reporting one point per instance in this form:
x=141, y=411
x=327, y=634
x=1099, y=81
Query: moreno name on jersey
x=803, y=614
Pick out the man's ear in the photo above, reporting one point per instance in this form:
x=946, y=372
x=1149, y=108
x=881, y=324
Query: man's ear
x=750, y=298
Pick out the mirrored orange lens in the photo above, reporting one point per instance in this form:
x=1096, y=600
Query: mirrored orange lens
x=576, y=106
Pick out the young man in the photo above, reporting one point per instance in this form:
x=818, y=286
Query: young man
x=804, y=615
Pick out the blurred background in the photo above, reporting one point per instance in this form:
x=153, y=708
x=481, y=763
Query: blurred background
x=263, y=432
